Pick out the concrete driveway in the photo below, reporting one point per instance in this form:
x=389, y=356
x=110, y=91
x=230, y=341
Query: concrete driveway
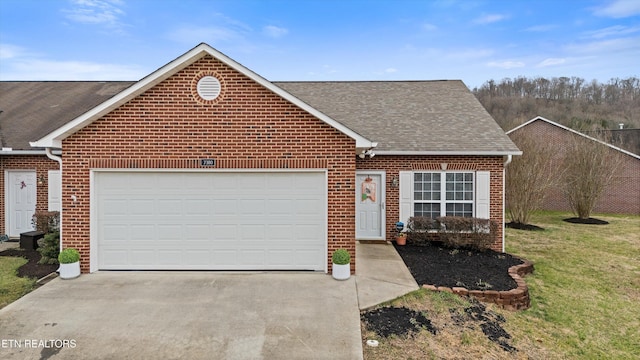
x=185, y=315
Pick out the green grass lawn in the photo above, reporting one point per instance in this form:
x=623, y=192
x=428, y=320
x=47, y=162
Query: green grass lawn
x=12, y=287
x=585, y=291
x=585, y=299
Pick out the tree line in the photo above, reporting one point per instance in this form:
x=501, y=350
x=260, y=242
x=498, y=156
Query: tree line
x=571, y=101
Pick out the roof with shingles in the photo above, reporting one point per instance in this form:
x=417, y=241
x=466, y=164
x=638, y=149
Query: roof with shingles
x=401, y=116
x=408, y=116
x=32, y=109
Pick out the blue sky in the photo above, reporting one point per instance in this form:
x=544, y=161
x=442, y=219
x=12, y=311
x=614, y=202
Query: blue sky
x=471, y=40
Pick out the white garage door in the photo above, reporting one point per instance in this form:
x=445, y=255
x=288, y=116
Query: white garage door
x=210, y=220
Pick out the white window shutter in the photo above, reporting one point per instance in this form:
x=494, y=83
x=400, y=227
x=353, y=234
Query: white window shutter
x=483, y=193
x=55, y=189
x=406, y=196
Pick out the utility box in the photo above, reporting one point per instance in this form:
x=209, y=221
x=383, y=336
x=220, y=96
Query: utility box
x=29, y=240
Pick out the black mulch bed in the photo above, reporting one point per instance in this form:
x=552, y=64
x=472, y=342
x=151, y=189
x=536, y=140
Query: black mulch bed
x=521, y=226
x=398, y=321
x=474, y=270
x=589, y=221
x=31, y=269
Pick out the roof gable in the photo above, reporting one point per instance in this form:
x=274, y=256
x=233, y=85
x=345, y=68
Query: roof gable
x=54, y=138
x=552, y=123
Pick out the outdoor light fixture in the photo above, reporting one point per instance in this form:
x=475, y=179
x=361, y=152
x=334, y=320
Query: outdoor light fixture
x=394, y=181
x=40, y=179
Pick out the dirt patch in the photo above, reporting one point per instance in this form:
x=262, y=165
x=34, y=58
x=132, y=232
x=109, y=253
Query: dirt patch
x=31, y=269
x=404, y=322
x=473, y=270
x=398, y=321
x=589, y=221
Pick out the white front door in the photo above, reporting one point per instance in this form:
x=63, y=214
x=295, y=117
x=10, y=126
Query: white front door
x=370, y=205
x=21, y=204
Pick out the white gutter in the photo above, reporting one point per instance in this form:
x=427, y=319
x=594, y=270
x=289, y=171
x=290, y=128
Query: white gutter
x=59, y=160
x=504, y=198
x=448, y=152
x=28, y=152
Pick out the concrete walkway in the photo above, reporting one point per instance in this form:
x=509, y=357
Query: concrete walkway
x=203, y=315
x=381, y=275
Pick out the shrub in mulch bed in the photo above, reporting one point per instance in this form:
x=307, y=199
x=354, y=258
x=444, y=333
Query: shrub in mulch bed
x=521, y=226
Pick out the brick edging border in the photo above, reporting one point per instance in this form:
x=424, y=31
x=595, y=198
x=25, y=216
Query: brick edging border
x=513, y=300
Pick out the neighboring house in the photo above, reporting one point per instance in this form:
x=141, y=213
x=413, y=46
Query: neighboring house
x=203, y=164
x=621, y=196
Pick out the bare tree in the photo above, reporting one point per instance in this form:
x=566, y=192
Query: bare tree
x=589, y=168
x=529, y=176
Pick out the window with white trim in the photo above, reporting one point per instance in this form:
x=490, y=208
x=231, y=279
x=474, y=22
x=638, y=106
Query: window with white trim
x=443, y=194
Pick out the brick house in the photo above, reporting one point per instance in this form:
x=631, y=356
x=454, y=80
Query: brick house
x=622, y=196
x=204, y=164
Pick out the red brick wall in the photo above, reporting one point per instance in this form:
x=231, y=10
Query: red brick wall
x=394, y=164
x=623, y=194
x=41, y=164
x=247, y=126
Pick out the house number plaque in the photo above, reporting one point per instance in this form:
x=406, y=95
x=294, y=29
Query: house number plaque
x=207, y=162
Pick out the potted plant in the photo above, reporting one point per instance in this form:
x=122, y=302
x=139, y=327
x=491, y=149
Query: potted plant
x=401, y=239
x=341, y=269
x=69, y=259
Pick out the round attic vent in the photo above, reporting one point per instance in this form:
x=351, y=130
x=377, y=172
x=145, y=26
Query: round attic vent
x=208, y=88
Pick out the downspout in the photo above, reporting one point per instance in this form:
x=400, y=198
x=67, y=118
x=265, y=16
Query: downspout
x=50, y=155
x=504, y=177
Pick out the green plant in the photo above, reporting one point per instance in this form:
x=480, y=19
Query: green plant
x=474, y=233
x=50, y=248
x=69, y=256
x=341, y=257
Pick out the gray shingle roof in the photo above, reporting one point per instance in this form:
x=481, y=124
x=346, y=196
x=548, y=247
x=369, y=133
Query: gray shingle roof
x=408, y=116
x=32, y=109
x=402, y=116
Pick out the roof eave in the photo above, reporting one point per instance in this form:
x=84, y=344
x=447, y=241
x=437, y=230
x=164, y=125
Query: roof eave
x=574, y=132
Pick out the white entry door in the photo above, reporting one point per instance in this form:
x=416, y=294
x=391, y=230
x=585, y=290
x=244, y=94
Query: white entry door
x=370, y=205
x=21, y=204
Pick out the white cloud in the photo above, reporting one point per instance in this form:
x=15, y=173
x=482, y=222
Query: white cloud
x=19, y=63
x=490, y=18
x=8, y=51
x=608, y=47
x=43, y=69
x=390, y=70
x=616, y=30
x=541, y=28
x=274, y=31
x=619, y=9
x=429, y=27
x=508, y=64
x=551, y=62
x=95, y=12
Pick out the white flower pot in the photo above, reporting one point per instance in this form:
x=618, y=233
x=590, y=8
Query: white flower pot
x=341, y=272
x=69, y=271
